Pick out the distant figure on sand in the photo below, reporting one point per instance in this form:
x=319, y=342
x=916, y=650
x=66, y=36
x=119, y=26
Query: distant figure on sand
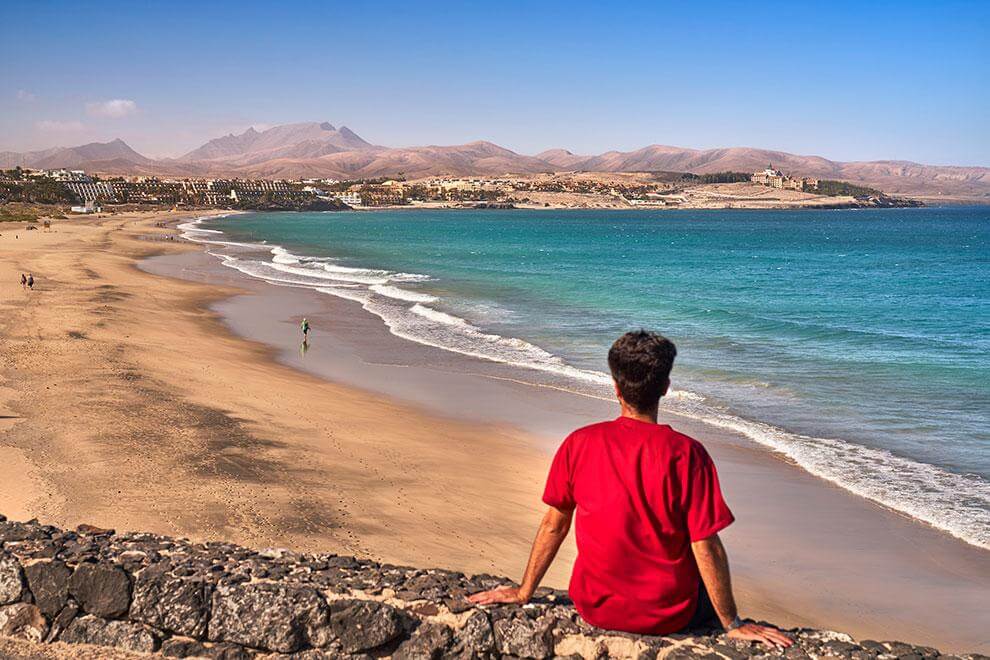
x=30, y=281
x=305, y=329
x=648, y=509
x=24, y=281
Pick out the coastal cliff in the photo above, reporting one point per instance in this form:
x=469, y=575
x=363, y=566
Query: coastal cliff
x=143, y=593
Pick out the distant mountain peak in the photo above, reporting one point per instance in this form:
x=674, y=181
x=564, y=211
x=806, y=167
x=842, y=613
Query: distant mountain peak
x=316, y=149
x=287, y=141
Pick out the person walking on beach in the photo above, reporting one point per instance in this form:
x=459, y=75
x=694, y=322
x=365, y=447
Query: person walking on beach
x=648, y=509
x=30, y=281
x=24, y=281
x=305, y=329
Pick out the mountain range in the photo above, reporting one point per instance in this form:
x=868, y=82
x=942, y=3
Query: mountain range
x=314, y=149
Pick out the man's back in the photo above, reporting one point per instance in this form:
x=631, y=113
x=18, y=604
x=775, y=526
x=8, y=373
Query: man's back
x=642, y=493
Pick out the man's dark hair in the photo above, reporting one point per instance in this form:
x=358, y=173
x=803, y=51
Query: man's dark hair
x=640, y=362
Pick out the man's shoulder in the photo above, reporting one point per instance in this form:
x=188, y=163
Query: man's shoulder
x=680, y=441
x=590, y=431
x=664, y=433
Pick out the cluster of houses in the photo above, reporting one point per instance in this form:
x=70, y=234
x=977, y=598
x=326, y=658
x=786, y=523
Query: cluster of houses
x=94, y=192
x=777, y=179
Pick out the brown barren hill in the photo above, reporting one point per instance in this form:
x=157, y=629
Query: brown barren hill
x=313, y=149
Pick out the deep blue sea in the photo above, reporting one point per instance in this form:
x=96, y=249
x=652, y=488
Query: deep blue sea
x=855, y=342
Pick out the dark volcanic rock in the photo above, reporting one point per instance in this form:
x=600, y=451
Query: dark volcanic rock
x=120, y=634
x=137, y=591
x=101, y=589
x=477, y=638
x=49, y=584
x=361, y=625
x=62, y=620
x=268, y=616
x=429, y=640
x=183, y=647
x=15, y=531
x=523, y=637
x=179, y=605
x=11, y=580
x=23, y=621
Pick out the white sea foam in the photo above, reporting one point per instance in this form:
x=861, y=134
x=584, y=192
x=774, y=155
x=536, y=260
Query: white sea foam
x=957, y=504
x=402, y=294
x=282, y=256
x=440, y=317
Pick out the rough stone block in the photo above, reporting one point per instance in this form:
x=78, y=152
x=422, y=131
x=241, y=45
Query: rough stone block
x=49, y=584
x=476, y=637
x=267, y=616
x=429, y=640
x=23, y=621
x=179, y=605
x=15, y=531
x=119, y=634
x=62, y=620
x=183, y=647
x=360, y=625
x=523, y=637
x=103, y=589
x=11, y=580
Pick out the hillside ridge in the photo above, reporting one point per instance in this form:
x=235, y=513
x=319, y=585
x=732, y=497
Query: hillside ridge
x=319, y=149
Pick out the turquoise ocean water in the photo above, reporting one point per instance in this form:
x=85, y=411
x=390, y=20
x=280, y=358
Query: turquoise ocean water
x=857, y=343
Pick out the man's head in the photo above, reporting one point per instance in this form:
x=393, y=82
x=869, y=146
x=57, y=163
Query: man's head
x=640, y=363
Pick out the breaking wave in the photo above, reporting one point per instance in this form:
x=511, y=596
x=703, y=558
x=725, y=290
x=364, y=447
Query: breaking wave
x=955, y=503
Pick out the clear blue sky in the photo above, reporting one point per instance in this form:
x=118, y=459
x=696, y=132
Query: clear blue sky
x=846, y=80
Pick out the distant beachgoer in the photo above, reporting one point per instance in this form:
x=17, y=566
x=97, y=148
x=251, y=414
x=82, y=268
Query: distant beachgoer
x=30, y=281
x=24, y=281
x=305, y=329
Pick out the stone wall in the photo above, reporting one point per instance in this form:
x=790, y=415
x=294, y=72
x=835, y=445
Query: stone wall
x=146, y=593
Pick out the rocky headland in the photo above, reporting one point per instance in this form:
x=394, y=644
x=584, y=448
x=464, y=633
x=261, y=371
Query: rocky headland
x=143, y=593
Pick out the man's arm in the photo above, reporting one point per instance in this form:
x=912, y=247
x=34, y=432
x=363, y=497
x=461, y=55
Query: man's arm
x=552, y=532
x=713, y=564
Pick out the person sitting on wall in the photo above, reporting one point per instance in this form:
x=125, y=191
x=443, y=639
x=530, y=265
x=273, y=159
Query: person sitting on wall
x=648, y=509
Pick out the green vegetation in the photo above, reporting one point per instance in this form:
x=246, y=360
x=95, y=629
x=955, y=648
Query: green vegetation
x=36, y=191
x=16, y=212
x=839, y=188
x=343, y=186
x=725, y=177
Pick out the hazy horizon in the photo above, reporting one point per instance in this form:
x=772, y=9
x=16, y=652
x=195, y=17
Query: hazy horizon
x=889, y=82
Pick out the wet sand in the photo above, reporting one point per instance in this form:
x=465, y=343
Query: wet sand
x=135, y=406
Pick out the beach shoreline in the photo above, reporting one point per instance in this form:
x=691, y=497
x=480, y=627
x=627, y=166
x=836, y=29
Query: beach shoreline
x=387, y=383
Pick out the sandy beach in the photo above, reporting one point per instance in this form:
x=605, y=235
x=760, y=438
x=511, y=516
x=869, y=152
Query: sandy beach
x=145, y=387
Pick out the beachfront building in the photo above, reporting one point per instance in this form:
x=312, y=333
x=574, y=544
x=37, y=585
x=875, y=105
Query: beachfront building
x=806, y=184
x=65, y=176
x=769, y=177
x=777, y=179
x=349, y=198
x=91, y=206
x=93, y=190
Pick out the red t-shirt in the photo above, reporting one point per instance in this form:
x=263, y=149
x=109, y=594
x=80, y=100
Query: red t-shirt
x=642, y=492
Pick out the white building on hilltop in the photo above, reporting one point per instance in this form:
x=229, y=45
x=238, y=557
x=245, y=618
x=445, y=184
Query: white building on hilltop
x=349, y=198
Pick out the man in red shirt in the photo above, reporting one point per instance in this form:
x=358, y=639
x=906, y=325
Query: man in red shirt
x=648, y=509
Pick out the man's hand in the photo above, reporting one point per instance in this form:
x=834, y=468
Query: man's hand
x=556, y=523
x=755, y=632
x=500, y=595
